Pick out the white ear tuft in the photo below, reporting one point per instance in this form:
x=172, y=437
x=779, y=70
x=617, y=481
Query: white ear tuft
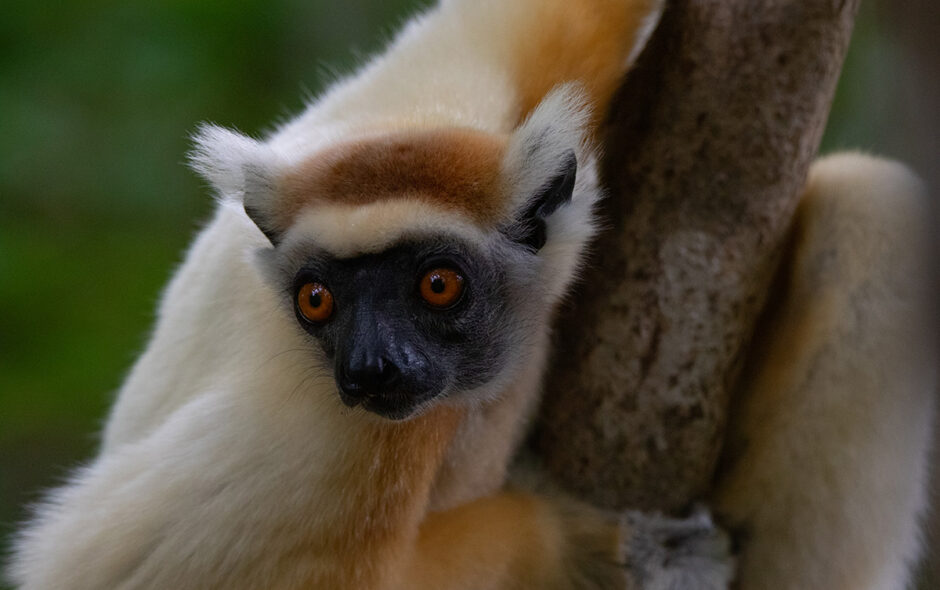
x=228, y=160
x=550, y=170
x=550, y=166
x=544, y=142
x=239, y=168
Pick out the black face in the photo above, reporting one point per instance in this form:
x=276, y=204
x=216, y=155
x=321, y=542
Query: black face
x=407, y=325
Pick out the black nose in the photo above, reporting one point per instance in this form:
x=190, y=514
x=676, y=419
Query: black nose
x=366, y=376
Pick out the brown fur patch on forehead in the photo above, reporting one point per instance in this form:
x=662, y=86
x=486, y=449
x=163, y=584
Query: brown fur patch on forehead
x=456, y=169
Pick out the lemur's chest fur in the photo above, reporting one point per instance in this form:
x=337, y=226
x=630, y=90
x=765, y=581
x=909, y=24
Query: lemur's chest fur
x=372, y=500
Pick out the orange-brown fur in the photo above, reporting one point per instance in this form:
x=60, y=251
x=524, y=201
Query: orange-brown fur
x=513, y=540
x=584, y=41
x=519, y=541
x=384, y=487
x=386, y=540
x=455, y=168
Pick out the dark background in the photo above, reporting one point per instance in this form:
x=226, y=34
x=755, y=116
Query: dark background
x=96, y=206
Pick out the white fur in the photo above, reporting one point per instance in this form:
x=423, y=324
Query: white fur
x=220, y=447
x=224, y=443
x=539, y=146
x=208, y=423
x=348, y=231
x=223, y=156
x=557, y=126
x=835, y=423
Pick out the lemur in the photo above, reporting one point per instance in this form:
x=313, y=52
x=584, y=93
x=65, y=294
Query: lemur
x=345, y=364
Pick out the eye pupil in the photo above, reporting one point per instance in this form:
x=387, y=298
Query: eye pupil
x=437, y=284
x=315, y=299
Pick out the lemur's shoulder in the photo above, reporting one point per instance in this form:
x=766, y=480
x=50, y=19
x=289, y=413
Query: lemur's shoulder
x=484, y=64
x=591, y=42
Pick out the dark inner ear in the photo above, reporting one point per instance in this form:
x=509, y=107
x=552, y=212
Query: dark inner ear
x=258, y=200
x=550, y=197
x=254, y=214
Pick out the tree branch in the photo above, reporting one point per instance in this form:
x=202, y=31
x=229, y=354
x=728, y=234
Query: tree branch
x=707, y=148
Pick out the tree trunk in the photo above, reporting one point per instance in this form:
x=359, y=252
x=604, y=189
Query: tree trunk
x=707, y=147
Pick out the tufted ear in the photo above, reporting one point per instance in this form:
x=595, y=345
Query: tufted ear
x=542, y=162
x=531, y=228
x=239, y=168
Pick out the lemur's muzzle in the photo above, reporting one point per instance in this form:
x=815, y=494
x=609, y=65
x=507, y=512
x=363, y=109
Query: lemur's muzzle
x=379, y=369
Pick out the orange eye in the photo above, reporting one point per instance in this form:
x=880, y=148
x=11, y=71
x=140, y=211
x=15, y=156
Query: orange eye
x=441, y=287
x=315, y=302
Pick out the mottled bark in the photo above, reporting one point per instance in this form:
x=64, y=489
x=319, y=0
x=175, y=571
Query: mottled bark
x=708, y=144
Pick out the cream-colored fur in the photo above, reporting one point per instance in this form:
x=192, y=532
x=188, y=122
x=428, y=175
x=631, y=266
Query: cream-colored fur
x=229, y=460
x=829, y=446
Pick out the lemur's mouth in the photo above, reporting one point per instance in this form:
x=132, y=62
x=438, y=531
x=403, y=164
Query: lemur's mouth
x=392, y=405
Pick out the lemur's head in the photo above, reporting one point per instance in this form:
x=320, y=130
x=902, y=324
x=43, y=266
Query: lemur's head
x=423, y=264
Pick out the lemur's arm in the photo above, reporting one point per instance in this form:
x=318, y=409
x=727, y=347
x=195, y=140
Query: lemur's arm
x=518, y=540
x=486, y=64
x=235, y=491
x=829, y=446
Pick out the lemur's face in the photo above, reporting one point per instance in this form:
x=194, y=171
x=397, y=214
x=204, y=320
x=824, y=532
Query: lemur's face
x=421, y=320
x=421, y=265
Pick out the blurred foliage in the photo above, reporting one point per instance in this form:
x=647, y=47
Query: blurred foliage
x=97, y=99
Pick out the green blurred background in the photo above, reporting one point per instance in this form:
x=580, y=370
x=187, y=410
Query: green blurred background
x=96, y=206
